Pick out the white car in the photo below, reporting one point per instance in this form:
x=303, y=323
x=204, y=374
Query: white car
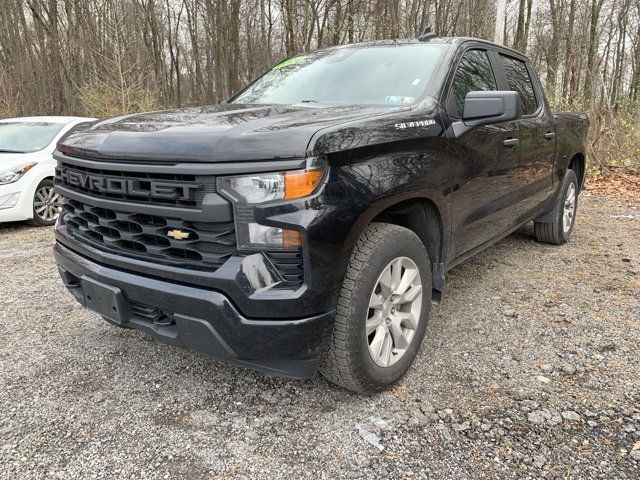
x=27, y=167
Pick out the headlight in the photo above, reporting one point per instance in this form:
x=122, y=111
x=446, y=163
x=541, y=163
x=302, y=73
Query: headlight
x=249, y=190
x=253, y=189
x=13, y=175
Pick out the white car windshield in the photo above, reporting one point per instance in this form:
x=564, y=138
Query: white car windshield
x=362, y=75
x=26, y=137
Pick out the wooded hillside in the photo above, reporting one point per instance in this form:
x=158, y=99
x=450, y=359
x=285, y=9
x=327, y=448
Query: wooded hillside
x=107, y=57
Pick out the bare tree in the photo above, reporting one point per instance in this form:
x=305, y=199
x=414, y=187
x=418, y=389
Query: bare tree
x=108, y=57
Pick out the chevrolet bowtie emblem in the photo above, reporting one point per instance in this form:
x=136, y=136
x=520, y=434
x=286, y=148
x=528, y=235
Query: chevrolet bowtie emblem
x=178, y=234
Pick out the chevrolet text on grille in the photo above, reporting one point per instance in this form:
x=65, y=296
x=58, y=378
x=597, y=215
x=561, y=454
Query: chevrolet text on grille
x=130, y=186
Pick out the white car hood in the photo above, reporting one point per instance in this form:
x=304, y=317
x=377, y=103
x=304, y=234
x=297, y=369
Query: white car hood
x=13, y=160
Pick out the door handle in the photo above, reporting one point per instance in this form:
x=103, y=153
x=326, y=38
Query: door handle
x=549, y=135
x=511, y=142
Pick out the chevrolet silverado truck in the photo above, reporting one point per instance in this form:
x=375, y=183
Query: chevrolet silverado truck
x=307, y=223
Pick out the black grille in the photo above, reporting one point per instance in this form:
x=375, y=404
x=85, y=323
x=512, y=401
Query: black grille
x=147, y=237
x=197, y=186
x=290, y=267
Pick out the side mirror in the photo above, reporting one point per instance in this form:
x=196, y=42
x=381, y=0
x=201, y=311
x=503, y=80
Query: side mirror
x=483, y=108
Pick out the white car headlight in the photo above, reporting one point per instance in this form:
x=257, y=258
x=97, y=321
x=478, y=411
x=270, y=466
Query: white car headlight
x=14, y=174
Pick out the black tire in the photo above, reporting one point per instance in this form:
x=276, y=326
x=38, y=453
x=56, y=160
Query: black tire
x=553, y=231
x=346, y=360
x=38, y=220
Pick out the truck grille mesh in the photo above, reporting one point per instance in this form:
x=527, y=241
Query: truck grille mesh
x=145, y=237
x=115, y=227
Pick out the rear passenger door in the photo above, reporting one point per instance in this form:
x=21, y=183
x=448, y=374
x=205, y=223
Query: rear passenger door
x=483, y=168
x=536, y=131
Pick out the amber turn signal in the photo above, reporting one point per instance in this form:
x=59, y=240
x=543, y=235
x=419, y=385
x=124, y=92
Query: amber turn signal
x=291, y=239
x=301, y=184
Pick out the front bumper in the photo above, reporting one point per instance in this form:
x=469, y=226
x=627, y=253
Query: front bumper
x=197, y=318
x=14, y=204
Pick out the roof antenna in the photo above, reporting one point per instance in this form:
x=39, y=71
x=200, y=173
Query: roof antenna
x=427, y=34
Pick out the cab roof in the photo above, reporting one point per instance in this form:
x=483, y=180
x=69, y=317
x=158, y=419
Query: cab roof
x=456, y=41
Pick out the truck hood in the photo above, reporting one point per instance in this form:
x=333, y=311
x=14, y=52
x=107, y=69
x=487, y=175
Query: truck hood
x=221, y=133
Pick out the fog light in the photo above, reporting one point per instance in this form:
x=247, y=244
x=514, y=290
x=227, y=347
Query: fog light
x=9, y=201
x=263, y=235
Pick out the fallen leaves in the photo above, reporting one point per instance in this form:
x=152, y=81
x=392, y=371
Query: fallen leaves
x=615, y=181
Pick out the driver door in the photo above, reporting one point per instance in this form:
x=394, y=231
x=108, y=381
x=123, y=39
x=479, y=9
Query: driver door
x=483, y=162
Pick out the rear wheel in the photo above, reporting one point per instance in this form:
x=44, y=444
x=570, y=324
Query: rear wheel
x=563, y=216
x=382, y=310
x=46, y=204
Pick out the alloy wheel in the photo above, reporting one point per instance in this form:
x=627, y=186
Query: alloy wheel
x=46, y=204
x=394, y=311
x=569, y=208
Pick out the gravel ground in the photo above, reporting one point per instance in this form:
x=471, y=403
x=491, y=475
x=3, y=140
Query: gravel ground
x=530, y=368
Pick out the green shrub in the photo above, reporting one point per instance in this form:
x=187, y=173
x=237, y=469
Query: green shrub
x=102, y=101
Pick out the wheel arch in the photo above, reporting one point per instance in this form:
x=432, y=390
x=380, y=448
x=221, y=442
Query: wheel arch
x=36, y=181
x=577, y=163
x=421, y=215
x=33, y=188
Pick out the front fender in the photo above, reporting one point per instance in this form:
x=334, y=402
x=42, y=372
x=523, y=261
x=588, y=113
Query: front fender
x=389, y=202
x=27, y=186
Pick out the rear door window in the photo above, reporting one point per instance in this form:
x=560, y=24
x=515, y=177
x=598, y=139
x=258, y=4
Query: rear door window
x=474, y=74
x=520, y=81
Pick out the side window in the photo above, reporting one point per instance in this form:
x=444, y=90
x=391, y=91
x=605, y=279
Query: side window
x=520, y=81
x=474, y=74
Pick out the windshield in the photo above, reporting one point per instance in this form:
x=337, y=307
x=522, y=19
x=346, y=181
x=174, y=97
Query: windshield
x=25, y=137
x=378, y=75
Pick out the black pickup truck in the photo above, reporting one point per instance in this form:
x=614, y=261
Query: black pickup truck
x=307, y=223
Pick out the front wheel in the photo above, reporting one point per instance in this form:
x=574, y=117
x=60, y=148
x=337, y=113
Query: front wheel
x=46, y=204
x=382, y=310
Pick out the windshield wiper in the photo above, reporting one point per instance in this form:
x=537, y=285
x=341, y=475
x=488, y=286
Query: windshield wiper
x=2, y=150
x=315, y=102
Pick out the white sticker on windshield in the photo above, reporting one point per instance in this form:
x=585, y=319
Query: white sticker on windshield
x=398, y=99
x=415, y=82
